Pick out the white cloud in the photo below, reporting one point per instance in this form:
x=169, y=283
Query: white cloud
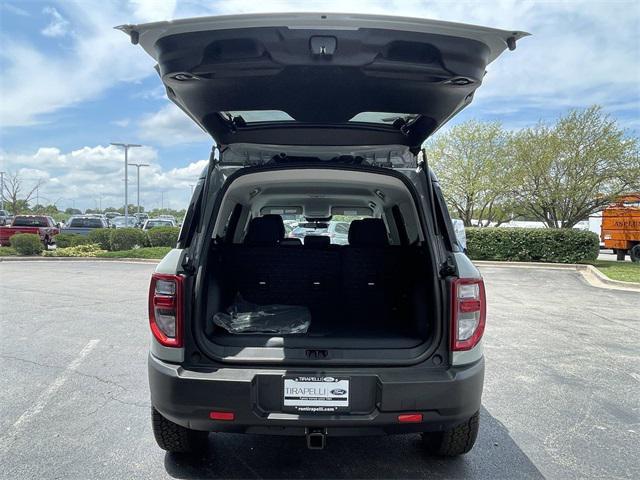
x=581, y=52
x=170, y=126
x=97, y=58
x=92, y=175
x=58, y=27
x=153, y=10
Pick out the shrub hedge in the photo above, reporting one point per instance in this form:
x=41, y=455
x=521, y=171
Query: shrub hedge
x=163, y=236
x=100, y=236
x=27, y=243
x=532, y=244
x=127, y=238
x=65, y=240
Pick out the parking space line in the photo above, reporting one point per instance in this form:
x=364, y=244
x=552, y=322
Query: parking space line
x=45, y=396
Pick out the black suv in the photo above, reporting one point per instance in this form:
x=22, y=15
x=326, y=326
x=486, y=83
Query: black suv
x=318, y=117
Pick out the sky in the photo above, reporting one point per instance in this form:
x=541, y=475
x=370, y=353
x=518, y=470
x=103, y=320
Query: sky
x=71, y=84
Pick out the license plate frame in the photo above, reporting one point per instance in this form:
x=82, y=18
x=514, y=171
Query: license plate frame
x=316, y=394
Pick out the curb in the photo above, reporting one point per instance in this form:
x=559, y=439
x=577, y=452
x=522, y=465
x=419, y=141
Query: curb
x=591, y=274
x=78, y=259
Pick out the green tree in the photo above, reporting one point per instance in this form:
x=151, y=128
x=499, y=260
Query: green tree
x=45, y=209
x=575, y=167
x=473, y=163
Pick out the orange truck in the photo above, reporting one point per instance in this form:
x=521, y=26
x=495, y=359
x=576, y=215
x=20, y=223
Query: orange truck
x=620, y=229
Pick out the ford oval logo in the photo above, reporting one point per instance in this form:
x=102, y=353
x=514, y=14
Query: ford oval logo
x=338, y=391
x=329, y=379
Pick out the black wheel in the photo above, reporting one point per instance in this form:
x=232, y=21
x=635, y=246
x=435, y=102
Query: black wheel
x=175, y=438
x=620, y=254
x=634, y=253
x=455, y=441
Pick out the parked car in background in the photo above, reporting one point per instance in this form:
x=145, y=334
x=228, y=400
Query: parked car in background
x=169, y=217
x=36, y=224
x=5, y=218
x=124, y=222
x=112, y=215
x=337, y=231
x=142, y=217
x=309, y=228
x=158, y=222
x=83, y=224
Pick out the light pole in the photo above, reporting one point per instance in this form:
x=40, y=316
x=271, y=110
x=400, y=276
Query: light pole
x=138, y=165
x=126, y=147
x=2, y=190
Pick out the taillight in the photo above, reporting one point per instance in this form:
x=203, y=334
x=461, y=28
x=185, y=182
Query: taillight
x=165, y=309
x=468, y=313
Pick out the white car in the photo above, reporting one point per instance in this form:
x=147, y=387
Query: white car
x=158, y=222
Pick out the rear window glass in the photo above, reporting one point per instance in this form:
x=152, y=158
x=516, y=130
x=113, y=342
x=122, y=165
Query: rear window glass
x=383, y=117
x=254, y=116
x=159, y=223
x=86, y=223
x=337, y=229
x=30, y=222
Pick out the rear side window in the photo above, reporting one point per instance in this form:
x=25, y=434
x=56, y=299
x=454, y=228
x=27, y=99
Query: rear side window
x=30, y=222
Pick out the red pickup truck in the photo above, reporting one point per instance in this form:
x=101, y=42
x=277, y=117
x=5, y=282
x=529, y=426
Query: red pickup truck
x=38, y=224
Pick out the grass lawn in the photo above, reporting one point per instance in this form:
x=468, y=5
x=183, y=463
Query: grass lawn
x=624, y=271
x=147, y=252
x=7, y=252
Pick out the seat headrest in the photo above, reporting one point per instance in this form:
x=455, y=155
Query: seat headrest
x=290, y=241
x=368, y=232
x=265, y=230
x=316, y=241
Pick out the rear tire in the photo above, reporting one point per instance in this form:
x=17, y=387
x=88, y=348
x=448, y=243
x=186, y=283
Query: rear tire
x=620, y=254
x=455, y=441
x=634, y=253
x=175, y=438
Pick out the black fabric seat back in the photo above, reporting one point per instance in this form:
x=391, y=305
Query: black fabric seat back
x=368, y=232
x=265, y=230
x=317, y=241
x=367, y=268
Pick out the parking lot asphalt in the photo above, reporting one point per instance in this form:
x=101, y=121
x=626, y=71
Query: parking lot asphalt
x=561, y=395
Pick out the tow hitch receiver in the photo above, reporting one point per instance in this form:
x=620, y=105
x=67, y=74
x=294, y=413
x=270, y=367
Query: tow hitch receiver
x=316, y=438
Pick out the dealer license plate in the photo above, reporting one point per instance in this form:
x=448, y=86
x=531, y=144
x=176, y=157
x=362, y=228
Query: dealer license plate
x=316, y=394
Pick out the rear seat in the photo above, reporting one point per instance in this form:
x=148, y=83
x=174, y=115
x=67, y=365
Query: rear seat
x=367, y=265
x=267, y=269
x=362, y=280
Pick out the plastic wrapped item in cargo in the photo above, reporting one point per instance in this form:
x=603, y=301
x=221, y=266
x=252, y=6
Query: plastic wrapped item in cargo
x=247, y=317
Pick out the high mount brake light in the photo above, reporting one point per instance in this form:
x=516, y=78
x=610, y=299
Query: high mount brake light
x=165, y=309
x=468, y=313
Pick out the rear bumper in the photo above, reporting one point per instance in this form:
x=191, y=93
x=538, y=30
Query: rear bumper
x=445, y=398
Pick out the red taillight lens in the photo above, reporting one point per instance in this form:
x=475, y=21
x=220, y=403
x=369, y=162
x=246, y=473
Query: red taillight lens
x=165, y=309
x=410, y=418
x=468, y=313
x=227, y=416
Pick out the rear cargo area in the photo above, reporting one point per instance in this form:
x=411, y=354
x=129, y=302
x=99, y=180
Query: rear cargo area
x=367, y=294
